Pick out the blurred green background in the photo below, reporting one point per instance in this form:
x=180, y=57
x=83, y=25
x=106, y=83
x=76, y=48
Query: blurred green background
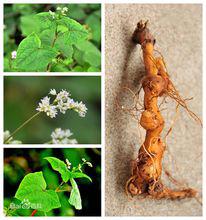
x=17, y=23
x=23, y=93
x=19, y=162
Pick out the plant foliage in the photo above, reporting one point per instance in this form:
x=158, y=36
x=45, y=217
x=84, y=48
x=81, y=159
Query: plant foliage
x=52, y=40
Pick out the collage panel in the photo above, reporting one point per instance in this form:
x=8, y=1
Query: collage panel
x=52, y=110
x=153, y=110
x=52, y=182
x=52, y=37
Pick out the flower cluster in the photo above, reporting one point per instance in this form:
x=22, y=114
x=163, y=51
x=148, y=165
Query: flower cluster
x=68, y=164
x=10, y=140
x=45, y=106
x=63, y=10
x=87, y=162
x=60, y=136
x=62, y=102
x=60, y=11
x=79, y=167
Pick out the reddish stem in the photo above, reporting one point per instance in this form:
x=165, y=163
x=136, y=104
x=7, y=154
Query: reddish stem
x=34, y=212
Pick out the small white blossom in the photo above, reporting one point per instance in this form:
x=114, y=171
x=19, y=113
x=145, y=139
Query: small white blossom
x=52, y=112
x=68, y=164
x=10, y=140
x=89, y=164
x=64, y=11
x=80, y=108
x=63, y=95
x=52, y=14
x=52, y=92
x=59, y=8
x=62, y=106
x=13, y=54
x=60, y=136
x=45, y=106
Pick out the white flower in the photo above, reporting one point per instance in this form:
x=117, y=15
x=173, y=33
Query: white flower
x=51, y=112
x=62, y=106
x=52, y=92
x=62, y=102
x=84, y=160
x=45, y=106
x=10, y=140
x=64, y=11
x=68, y=164
x=89, y=164
x=60, y=136
x=63, y=95
x=59, y=8
x=13, y=54
x=80, y=108
x=52, y=14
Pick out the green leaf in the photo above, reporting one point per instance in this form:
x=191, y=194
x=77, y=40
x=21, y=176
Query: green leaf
x=65, y=49
x=75, y=197
x=45, y=21
x=32, y=189
x=59, y=166
x=80, y=175
x=47, y=37
x=59, y=67
x=37, y=23
x=71, y=31
x=29, y=24
x=31, y=56
x=95, y=24
x=87, y=53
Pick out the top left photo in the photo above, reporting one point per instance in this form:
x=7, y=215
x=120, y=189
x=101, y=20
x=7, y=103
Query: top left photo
x=52, y=37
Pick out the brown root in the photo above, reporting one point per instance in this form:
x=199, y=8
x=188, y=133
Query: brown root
x=146, y=172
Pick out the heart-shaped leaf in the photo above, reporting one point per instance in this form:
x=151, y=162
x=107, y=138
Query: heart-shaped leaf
x=32, y=56
x=32, y=190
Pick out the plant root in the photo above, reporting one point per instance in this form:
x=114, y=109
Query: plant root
x=146, y=172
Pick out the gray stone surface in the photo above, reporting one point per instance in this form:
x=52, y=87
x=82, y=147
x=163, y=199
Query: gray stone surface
x=178, y=32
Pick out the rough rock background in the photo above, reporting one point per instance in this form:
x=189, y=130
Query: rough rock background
x=178, y=32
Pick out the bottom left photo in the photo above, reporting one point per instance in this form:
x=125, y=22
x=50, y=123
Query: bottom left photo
x=52, y=182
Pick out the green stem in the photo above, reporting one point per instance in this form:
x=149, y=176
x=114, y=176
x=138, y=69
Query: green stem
x=21, y=126
x=57, y=189
x=53, y=42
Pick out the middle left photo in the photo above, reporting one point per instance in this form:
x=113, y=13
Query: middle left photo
x=52, y=110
